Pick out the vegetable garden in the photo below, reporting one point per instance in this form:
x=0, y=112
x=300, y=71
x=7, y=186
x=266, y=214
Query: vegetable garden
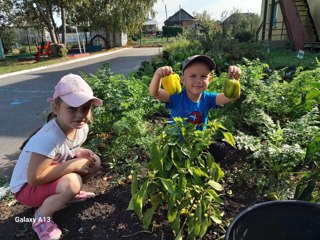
x=173, y=179
x=274, y=125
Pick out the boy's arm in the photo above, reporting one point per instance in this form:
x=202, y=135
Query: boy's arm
x=233, y=72
x=155, y=89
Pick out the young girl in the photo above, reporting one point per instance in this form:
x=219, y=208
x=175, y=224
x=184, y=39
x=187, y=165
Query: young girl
x=52, y=166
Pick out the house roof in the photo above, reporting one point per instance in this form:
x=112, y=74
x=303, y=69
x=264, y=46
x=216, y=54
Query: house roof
x=179, y=16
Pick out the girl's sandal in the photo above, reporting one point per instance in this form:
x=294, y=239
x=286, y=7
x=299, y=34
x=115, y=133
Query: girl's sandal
x=47, y=230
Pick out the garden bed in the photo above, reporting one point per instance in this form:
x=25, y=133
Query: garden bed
x=106, y=216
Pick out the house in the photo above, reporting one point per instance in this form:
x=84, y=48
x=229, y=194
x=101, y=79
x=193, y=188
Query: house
x=150, y=27
x=181, y=18
x=296, y=22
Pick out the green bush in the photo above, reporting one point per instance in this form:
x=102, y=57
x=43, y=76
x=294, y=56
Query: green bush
x=62, y=51
x=171, y=31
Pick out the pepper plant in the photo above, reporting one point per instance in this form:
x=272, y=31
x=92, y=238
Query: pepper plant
x=183, y=175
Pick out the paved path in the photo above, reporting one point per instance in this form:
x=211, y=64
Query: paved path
x=23, y=95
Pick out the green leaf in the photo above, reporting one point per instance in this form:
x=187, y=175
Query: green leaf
x=147, y=217
x=215, y=185
x=215, y=195
x=216, y=172
x=179, y=236
x=228, y=136
x=134, y=184
x=216, y=219
x=156, y=158
x=197, y=172
x=312, y=148
x=176, y=225
x=204, y=226
x=168, y=165
x=220, y=126
x=172, y=214
x=156, y=199
x=137, y=205
x=168, y=185
x=130, y=205
x=143, y=191
x=304, y=189
x=209, y=159
x=182, y=184
x=197, y=228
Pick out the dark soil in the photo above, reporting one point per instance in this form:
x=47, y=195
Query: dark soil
x=106, y=215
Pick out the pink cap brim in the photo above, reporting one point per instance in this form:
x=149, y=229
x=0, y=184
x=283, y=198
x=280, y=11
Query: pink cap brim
x=77, y=99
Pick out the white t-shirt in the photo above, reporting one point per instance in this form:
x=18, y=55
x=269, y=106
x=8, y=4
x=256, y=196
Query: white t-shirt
x=51, y=142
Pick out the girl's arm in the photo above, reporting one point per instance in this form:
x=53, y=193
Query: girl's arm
x=155, y=89
x=41, y=170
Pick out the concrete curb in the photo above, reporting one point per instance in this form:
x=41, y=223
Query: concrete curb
x=60, y=64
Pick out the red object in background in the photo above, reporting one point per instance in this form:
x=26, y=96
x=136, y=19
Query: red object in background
x=47, y=51
x=37, y=56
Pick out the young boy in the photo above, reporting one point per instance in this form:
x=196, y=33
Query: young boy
x=194, y=102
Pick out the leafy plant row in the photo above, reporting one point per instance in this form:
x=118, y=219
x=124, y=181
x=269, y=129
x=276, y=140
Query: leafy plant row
x=276, y=122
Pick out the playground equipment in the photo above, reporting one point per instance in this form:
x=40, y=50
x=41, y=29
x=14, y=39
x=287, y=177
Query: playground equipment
x=43, y=50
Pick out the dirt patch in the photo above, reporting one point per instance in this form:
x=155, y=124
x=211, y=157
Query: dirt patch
x=106, y=215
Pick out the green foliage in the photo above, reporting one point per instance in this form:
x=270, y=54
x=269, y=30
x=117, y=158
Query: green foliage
x=226, y=52
x=245, y=36
x=120, y=128
x=171, y=31
x=8, y=38
x=276, y=121
x=62, y=51
x=183, y=175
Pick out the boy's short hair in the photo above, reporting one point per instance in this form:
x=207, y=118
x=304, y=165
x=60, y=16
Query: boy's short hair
x=199, y=58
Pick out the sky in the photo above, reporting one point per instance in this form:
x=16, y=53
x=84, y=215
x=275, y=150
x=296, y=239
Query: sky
x=213, y=7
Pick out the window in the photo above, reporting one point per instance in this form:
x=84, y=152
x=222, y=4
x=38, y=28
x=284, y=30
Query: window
x=274, y=15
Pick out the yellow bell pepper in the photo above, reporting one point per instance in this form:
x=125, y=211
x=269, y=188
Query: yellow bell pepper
x=171, y=83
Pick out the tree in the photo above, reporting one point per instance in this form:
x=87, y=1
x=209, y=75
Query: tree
x=6, y=32
x=115, y=16
x=240, y=24
x=207, y=22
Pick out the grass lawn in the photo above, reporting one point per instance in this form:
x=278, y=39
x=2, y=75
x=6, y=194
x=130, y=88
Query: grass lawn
x=279, y=58
x=13, y=64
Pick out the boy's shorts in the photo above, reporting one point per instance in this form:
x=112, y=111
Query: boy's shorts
x=33, y=196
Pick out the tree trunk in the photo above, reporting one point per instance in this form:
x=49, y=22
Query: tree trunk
x=64, y=26
x=107, y=41
x=48, y=22
x=56, y=32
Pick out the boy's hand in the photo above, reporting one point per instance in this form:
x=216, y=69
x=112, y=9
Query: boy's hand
x=234, y=72
x=164, y=71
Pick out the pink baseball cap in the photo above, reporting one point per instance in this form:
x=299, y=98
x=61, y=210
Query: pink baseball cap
x=74, y=91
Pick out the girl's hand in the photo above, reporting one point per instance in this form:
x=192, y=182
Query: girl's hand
x=234, y=72
x=88, y=154
x=81, y=166
x=164, y=71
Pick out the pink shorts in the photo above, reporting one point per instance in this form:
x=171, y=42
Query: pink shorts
x=33, y=196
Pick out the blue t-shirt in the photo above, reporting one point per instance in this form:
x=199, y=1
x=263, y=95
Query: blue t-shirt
x=196, y=112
